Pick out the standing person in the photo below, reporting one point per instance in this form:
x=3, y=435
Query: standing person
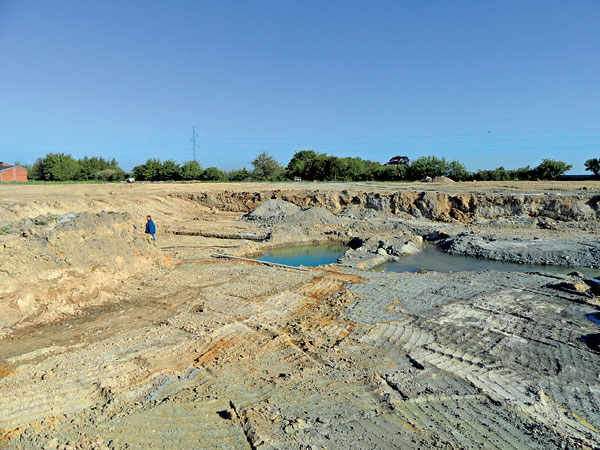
x=150, y=227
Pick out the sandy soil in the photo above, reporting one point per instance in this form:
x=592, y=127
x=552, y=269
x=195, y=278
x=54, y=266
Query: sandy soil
x=110, y=341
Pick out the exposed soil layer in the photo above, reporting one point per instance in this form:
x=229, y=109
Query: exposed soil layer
x=111, y=341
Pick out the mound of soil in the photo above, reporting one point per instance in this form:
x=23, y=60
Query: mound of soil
x=313, y=216
x=443, y=179
x=272, y=211
x=54, y=266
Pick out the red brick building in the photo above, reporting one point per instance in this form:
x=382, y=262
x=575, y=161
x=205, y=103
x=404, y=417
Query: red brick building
x=8, y=172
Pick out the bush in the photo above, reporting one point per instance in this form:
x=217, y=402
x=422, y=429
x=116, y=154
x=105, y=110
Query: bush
x=55, y=167
x=298, y=165
x=550, y=169
x=90, y=167
x=169, y=171
x=593, y=165
x=110, y=175
x=266, y=167
x=238, y=175
x=191, y=170
x=214, y=174
x=149, y=171
x=393, y=173
x=457, y=171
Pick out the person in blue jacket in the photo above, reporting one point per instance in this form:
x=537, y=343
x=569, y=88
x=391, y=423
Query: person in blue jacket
x=150, y=227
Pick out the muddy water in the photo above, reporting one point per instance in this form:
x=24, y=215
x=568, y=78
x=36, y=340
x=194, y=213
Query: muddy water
x=305, y=255
x=432, y=258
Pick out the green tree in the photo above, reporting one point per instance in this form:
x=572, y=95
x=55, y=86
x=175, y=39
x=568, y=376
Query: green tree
x=36, y=172
x=214, y=174
x=266, y=167
x=456, y=170
x=110, y=175
x=89, y=167
x=191, y=170
x=431, y=166
x=398, y=160
x=149, y=171
x=427, y=166
x=591, y=165
x=523, y=173
x=396, y=172
x=298, y=165
x=239, y=175
x=55, y=167
x=550, y=169
x=317, y=168
x=169, y=171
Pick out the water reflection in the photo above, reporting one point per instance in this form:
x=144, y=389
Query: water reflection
x=432, y=258
x=305, y=255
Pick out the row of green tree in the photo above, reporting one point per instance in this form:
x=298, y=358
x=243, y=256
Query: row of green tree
x=62, y=167
x=310, y=165
x=305, y=164
x=264, y=168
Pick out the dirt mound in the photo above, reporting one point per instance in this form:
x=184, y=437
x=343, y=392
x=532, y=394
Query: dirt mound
x=52, y=266
x=313, y=216
x=280, y=211
x=356, y=213
x=272, y=211
x=443, y=179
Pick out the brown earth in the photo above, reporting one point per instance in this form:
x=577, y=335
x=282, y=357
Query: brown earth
x=109, y=341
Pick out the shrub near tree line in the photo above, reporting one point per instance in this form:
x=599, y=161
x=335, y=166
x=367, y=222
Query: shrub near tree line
x=191, y=170
x=431, y=166
x=214, y=174
x=62, y=167
x=548, y=169
x=155, y=170
x=266, y=168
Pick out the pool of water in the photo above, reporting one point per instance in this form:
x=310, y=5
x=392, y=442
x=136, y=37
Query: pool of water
x=594, y=317
x=432, y=258
x=311, y=255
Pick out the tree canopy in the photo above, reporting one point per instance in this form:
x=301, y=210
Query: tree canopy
x=306, y=164
x=266, y=167
x=593, y=165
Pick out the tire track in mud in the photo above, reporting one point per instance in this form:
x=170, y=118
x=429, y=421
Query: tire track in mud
x=142, y=366
x=438, y=340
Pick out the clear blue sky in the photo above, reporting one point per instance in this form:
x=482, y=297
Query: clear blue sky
x=490, y=83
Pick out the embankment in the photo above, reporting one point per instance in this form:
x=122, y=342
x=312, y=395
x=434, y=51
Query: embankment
x=429, y=205
x=54, y=266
